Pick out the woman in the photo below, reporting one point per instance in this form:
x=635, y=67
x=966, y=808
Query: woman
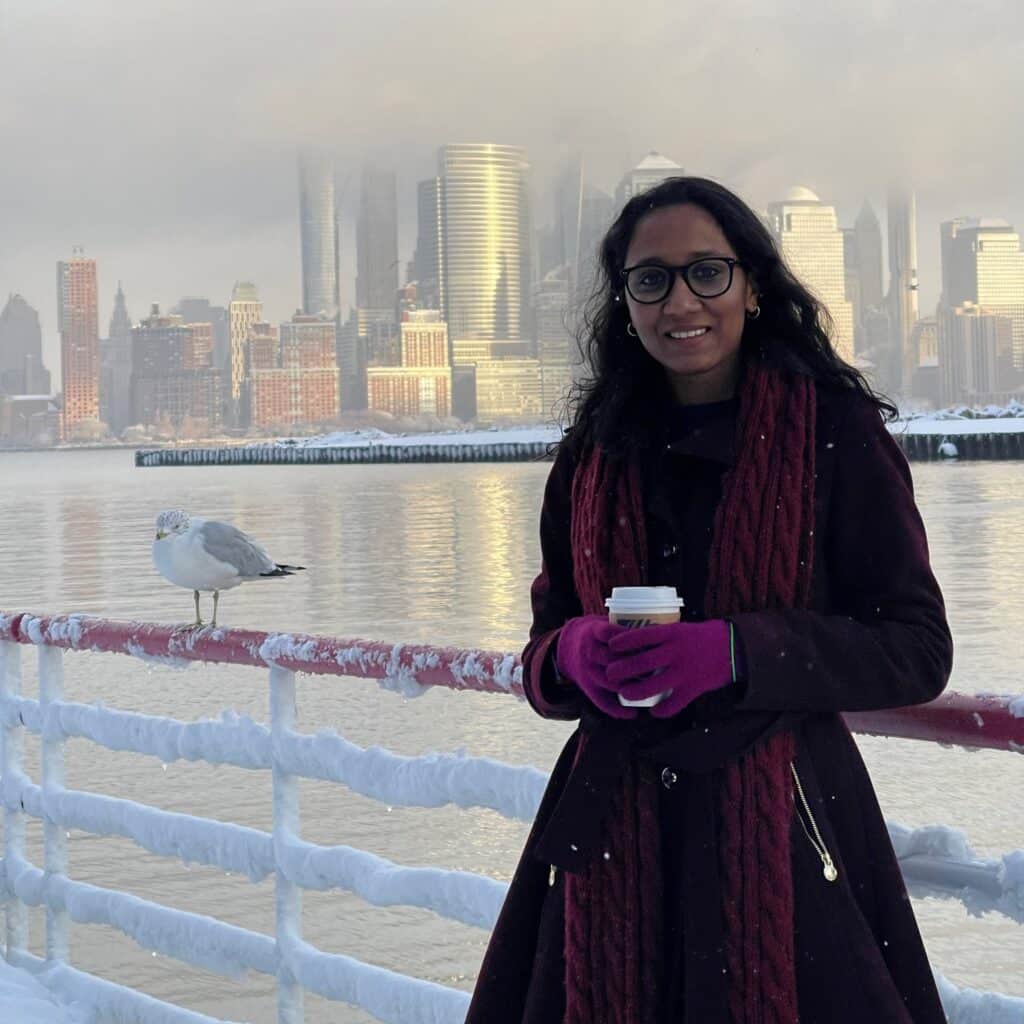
x=721, y=857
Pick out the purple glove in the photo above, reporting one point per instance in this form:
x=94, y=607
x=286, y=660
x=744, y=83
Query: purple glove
x=687, y=658
x=583, y=656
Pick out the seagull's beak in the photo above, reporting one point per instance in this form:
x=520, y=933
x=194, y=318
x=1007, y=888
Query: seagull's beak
x=160, y=534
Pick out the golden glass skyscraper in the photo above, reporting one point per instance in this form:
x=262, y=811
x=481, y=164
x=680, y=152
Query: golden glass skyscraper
x=486, y=242
x=812, y=246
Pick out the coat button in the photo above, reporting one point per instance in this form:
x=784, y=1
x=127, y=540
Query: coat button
x=668, y=778
x=669, y=550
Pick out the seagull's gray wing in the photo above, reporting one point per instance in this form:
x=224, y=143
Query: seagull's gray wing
x=228, y=544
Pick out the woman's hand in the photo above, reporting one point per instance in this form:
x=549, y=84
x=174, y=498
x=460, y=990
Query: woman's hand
x=687, y=658
x=583, y=656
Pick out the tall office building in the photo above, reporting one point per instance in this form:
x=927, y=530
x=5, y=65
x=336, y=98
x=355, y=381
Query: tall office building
x=174, y=384
x=421, y=385
x=21, y=350
x=293, y=373
x=116, y=368
x=868, y=241
x=862, y=254
x=651, y=171
x=196, y=310
x=318, y=226
x=78, y=323
x=597, y=211
x=812, y=245
x=569, y=214
x=428, y=260
x=556, y=346
x=902, y=295
x=487, y=244
x=377, y=241
x=982, y=264
x=975, y=355
x=244, y=310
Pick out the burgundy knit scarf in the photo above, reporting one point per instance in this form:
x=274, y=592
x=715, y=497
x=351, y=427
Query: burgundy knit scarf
x=760, y=558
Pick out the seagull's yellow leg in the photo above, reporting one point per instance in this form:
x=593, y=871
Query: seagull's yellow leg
x=216, y=598
x=199, y=621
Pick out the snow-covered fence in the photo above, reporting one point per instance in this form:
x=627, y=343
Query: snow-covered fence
x=935, y=860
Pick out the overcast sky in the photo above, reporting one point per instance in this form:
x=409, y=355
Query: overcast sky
x=161, y=136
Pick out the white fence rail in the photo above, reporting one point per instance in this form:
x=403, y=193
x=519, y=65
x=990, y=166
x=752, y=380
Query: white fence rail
x=936, y=861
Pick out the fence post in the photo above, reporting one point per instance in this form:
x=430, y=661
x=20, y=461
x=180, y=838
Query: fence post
x=55, y=843
x=12, y=767
x=287, y=896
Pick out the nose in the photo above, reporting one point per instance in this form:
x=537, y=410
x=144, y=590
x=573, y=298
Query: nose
x=681, y=297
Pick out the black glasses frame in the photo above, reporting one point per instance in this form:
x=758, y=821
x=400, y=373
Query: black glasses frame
x=683, y=271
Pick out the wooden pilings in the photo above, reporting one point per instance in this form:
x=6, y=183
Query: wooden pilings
x=926, y=447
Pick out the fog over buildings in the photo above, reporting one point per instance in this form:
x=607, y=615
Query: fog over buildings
x=178, y=174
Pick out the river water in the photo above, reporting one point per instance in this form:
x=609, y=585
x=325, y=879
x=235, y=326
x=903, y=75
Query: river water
x=427, y=554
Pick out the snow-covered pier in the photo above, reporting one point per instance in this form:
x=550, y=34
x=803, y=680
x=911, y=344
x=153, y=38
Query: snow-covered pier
x=936, y=860
x=949, y=434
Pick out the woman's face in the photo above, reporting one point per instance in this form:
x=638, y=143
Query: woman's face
x=696, y=340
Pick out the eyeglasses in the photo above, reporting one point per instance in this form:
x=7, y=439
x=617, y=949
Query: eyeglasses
x=707, y=278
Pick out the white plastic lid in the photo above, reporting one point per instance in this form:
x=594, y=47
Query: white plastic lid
x=644, y=599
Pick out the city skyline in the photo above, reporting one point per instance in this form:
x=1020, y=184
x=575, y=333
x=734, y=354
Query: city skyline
x=280, y=304
x=567, y=214
x=841, y=103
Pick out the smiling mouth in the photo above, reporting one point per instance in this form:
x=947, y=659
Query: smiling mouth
x=685, y=335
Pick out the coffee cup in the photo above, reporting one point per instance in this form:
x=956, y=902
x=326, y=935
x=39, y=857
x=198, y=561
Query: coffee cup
x=634, y=607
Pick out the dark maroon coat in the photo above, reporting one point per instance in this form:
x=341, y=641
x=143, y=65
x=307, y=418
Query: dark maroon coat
x=874, y=636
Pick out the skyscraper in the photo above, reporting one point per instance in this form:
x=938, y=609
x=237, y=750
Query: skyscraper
x=428, y=260
x=77, y=320
x=597, y=211
x=556, y=347
x=486, y=243
x=651, y=171
x=196, y=310
x=982, y=263
x=116, y=368
x=319, y=235
x=421, y=385
x=175, y=385
x=21, y=350
x=244, y=310
x=294, y=373
x=902, y=296
x=868, y=234
x=377, y=241
x=812, y=245
x=569, y=214
x=974, y=355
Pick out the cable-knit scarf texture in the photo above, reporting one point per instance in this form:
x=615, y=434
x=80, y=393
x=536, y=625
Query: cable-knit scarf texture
x=760, y=559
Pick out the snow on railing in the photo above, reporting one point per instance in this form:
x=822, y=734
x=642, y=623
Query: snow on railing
x=935, y=860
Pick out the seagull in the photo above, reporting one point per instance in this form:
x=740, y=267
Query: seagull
x=205, y=554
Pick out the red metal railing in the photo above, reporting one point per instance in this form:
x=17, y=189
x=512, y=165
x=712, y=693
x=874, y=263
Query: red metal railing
x=985, y=721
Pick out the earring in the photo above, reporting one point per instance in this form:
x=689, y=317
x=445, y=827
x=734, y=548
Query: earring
x=754, y=313
x=630, y=329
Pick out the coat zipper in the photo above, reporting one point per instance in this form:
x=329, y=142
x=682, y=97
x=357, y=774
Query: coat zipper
x=829, y=868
